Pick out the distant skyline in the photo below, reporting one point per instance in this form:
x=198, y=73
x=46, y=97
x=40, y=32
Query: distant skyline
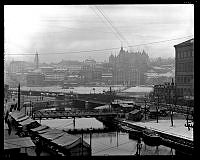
x=64, y=31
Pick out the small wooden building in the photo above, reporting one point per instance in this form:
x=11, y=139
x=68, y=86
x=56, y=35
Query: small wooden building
x=135, y=115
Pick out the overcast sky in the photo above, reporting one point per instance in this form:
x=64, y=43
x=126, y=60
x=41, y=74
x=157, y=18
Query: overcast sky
x=63, y=32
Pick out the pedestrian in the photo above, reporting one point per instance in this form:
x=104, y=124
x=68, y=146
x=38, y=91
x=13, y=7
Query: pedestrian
x=9, y=127
x=6, y=117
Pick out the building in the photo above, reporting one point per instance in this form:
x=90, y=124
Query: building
x=35, y=79
x=184, y=68
x=16, y=67
x=90, y=72
x=129, y=68
x=135, y=115
x=6, y=87
x=164, y=93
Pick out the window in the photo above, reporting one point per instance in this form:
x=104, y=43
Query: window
x=180, y=55
x=181, y=79
x=178, y=79
x=185, y=79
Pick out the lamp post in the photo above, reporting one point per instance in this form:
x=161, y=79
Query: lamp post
x=145, y=109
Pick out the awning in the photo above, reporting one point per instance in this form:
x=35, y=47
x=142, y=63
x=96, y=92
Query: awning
x=67, y=141
x=26, y=122
x=17, y=115
x=44, y=130
x=52, y=134
x=42, y=127
x=24, y=142
x=22, y=119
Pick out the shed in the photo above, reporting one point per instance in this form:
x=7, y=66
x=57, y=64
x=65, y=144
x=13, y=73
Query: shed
x=22, y=119
x=40, y=128
x=72, y=145
x=17, y=115
x=52, y=134
x=135, y=115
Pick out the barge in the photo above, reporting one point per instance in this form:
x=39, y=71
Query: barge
x=151, y=138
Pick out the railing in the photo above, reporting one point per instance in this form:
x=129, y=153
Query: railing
x=57, y=114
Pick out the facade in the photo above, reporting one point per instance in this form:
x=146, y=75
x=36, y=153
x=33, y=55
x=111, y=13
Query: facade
x=164, y=93
x=35, y=79
x=129, y=68
x=16, y=67
x=90, y=71
x=184, y=68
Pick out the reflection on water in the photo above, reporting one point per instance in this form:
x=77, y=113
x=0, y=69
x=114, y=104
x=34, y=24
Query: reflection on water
x=111, y=143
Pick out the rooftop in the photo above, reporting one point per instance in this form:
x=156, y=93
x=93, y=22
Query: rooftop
x=188, y=42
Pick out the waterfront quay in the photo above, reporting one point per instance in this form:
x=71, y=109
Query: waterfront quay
x=177, y=136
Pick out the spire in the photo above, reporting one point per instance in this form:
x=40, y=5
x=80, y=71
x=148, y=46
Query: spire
x=36, y=61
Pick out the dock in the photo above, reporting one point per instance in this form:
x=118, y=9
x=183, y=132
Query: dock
x=177, y=136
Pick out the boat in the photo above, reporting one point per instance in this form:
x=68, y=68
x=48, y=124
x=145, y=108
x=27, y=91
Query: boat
x=151, y=138
x=125, y=128
x=135, y=134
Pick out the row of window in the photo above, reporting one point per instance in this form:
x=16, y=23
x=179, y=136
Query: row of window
x=185, y=91
x=184, y=54
x=184, y=79
x=185, y=67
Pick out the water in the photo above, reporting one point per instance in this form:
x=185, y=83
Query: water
x=111, y=143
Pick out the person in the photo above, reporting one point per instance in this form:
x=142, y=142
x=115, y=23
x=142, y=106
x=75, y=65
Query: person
x=38, y=149
x=6, y=117
x=9, y=127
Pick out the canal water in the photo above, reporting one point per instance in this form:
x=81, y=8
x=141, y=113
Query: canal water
x=110, y=143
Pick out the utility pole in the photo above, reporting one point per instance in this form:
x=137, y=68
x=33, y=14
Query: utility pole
x=145, y=109
x=157, y=109
x=82, y=143
x=18, y=108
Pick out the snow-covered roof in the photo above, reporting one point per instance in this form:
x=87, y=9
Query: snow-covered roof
x=103, y=107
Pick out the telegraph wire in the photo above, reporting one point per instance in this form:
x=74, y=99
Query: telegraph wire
x=96, y=50
x=109, y=21
x=118, y=37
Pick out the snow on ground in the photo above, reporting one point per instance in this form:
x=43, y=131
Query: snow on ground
x=178, y=129
x=139, y=89
x=79, y=90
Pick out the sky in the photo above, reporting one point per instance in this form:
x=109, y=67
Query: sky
x=75, y=32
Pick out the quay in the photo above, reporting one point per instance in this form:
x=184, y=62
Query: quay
x=177, y=136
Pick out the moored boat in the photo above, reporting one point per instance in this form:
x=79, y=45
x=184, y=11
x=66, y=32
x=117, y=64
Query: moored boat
x=151, y=138
x=135, y=134
x=125, y=128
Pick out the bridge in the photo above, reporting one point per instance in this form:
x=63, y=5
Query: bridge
x=91, y=101
x=46, y=114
